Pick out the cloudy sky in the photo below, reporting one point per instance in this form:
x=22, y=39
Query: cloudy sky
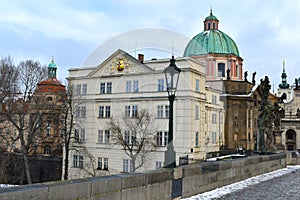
x=266, y=31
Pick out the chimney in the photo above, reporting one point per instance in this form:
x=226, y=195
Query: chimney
x=141, y=57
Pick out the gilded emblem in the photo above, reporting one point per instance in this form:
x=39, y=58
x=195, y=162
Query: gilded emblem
x=119, y=64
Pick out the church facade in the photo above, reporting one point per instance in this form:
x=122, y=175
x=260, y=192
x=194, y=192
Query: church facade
x=289, y=136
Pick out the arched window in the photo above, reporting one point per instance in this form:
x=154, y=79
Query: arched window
x=208, y=26
x=221, y=69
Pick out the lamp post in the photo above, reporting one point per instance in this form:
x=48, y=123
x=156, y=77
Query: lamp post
x=172, y=76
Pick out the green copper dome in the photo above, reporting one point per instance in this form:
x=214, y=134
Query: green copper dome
x=211, y=40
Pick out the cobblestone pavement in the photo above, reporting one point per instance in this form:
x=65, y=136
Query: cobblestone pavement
x=283, y=187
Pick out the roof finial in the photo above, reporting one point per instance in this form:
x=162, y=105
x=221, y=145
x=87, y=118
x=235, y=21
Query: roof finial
x=52, y=59
x=283, y=65
x=210, y=10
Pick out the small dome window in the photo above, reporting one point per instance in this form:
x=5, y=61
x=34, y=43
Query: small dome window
x=49, y=98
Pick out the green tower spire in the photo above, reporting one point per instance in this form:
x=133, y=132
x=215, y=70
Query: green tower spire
x=52, y=69
x=283, y=84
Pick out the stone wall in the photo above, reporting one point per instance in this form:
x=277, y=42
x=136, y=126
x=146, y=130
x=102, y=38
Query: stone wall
x=183, y=181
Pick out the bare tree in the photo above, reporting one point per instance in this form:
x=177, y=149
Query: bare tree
x=135, y=136
x=8, y=78
x=21, y=111
x=67, y=115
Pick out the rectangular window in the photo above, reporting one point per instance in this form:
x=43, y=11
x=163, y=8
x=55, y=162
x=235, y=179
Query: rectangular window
x=160, y=111
x=197, y=112
x=102, y=163
x=131, y=111
x=82, y=136
x=78, y=161
x=107, y=111
x=80, y=164
x=158, y=164
x=78, y=89
x=128, y=86
x=105, y=164
x=101, y=112
x=214, y=138
x=161, y=84
x=134, y=111
x=162, y=138
x=127, y=137
x=103, y=136
x=166, y=138
x=100, y=136
x=163, y=111
x=47, y=149
x=135, y=86
x=76, y=135
x=127, y=111
x=214, y=99
x=75, y=160
x=84, y=89
x=83, y=112
x=127, y=165
x=197, y=139
x=108, y=87
x=80, y=112
x=104, y=111
x=159, y=138
x=77, y=112
x=102, y=88
x=213, y=118
x=197, y=85
x=221, y=69
x=106, y=136
x=167, y=111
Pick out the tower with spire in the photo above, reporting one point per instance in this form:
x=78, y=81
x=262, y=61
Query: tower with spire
x=283, y=84
x=284, y=87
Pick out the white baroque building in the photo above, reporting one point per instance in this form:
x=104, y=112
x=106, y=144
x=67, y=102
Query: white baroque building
x=122, y=86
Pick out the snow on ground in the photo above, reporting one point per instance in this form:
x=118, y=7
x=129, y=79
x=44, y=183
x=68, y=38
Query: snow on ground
x=243, y=184
x=6, y=185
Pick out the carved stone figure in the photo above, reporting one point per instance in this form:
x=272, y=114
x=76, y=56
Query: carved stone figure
x=253, y=77
x=228, y=74
x=245, y=75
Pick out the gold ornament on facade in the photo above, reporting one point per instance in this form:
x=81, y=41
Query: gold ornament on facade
x=119, y=65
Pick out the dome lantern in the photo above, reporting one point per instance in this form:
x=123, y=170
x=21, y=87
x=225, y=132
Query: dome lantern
x=211, y=22
x=211, y=41
x=52, y=69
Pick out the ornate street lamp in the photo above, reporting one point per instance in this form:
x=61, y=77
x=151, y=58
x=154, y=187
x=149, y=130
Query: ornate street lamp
x=172, y=76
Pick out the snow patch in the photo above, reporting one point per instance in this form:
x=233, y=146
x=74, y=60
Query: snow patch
x=243, y=184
